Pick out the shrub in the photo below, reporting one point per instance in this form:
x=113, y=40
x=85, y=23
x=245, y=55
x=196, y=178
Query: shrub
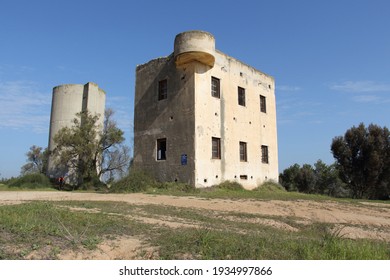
x=92, y=184
x=136, y=181
x=270, y=186
x=229, y=185
x=31, y=181
x=175, y=186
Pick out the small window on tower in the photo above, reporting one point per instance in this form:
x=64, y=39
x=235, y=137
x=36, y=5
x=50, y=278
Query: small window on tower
x=162, y=149
x=215, y=87
x=241, y=96
x=243, y=152
x=263, y=104
x=216, y=148
x=264, y=154
x=162, y=89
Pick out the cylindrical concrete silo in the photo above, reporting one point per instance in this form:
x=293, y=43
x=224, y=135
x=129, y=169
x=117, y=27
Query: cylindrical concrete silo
x=67, y=101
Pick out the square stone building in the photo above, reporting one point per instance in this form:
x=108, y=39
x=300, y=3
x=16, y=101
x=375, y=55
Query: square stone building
x=202, y=117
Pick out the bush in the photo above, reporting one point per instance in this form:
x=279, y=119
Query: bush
x=136, y=181
x=229, y=185
x=270, y=186
x=92, y=184
x=317, y=179
x=30, y=181
x=175, y=186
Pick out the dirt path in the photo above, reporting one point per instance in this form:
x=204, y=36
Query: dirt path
x=328, y=212
x=355, y=220
x=375, y=214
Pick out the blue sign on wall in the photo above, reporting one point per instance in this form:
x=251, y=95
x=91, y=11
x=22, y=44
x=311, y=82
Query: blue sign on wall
x=184, y=159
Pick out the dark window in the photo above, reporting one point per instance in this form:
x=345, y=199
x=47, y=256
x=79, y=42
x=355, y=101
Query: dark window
x=162, y=149
x=241, y=96
x=162, y=89
x=264, y=154
x=216, y=147
x=243, y=153
x=263, y=104
x=215, y=87
x=244, y=177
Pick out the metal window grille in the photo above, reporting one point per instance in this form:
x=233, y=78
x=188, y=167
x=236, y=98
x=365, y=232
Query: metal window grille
x=241, y=96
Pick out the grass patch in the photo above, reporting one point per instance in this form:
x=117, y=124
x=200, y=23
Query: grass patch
x=30, y=181
x=136, y=181
x=209, y=244
x=215, y=235
x=233, y=190
x=27, y=227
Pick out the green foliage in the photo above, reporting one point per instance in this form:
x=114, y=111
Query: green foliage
x=270, y=186
x=176, y=187
x=30, y=226
x=229, y=185
x=138, y=181
x=317, y=179
x=37, y=160
x=53, y=227
x=77, y=146
x=115, y=159
x=363, y=160
x=289, y=177
x=30, y=181
x=91, y=150
x=135, y=181
x=311, y=244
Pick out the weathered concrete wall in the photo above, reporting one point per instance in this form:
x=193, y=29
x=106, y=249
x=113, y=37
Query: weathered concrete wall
x=67, y=101
x=191, y=116
x=171, y=118
x=224, y=118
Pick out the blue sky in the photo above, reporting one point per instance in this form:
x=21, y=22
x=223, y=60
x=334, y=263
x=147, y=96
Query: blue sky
x=330, y=60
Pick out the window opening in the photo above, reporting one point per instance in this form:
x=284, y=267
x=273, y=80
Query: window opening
x=241, y=96
x=215, y=87
x=216, y=148
x=243, y=152
x=264, y=154
x=162, y=89
x=162, y=149
x=263, y=104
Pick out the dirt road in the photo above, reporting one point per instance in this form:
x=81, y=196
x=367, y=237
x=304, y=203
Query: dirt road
x=350, y=220
x=359, y=220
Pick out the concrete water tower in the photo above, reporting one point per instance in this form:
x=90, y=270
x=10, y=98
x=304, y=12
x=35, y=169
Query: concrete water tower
x=67, y=101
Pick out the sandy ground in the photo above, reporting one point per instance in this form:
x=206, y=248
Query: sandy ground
x=360, y=220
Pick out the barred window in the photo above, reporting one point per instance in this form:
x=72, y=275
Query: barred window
x=216, y=147
x=263, y=104
x=264, y=154
x=243, y=152
x=241, y=96
x=215, y=87
x=162, y=89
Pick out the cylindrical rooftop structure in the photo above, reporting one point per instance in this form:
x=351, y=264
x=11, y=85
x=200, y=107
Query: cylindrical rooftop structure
x=194, y=46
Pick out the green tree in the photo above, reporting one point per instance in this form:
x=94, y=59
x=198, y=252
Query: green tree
x=306, y=181
x=37, y=159
x=289, y=177
x=297, y=178
x=115, y=158
x=91, y=150
x=320, y=178
x=328, y=180
x=363, y=160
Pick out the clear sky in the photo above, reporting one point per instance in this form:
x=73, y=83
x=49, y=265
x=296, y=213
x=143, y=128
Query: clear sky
x=330, y=60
